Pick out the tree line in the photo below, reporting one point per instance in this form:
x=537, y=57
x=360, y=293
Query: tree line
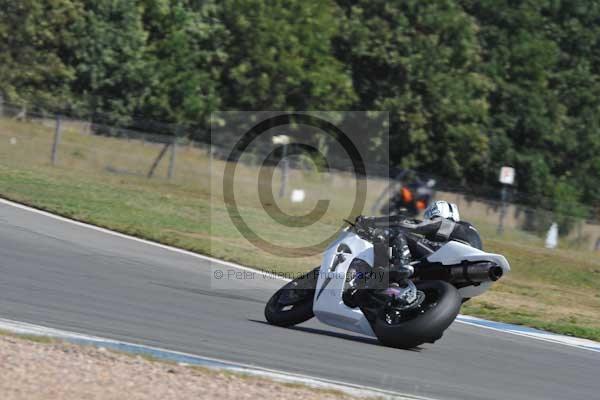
x=470, y=85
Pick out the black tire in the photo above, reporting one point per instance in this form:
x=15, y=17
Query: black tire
x=439, y=309
x=299, y=312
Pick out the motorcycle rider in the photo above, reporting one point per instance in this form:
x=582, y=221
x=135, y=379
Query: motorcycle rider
x=392, y=253
x=441, y=223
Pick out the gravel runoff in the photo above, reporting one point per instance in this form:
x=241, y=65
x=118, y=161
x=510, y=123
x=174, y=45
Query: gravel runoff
x=56, y=370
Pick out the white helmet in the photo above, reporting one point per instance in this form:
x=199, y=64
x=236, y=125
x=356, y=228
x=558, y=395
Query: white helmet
x=442, y=209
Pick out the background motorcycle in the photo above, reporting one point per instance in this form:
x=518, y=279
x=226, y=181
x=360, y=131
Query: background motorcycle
x=398, y=312
x=407, y=194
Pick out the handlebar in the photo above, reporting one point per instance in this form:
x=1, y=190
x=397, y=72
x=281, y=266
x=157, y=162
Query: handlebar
x=380, y=228
x=379, y=222
x=376, y=229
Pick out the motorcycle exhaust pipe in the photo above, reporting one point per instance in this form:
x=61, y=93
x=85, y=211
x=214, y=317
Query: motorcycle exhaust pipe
x=478, y=272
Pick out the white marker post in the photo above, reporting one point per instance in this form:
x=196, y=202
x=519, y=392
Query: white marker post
x=552, y=236
x=506, y=178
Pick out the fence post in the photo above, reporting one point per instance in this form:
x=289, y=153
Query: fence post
x=56, y=140
x=172, y=158
x=503, y=196
x=284, y=171
x=157, y=160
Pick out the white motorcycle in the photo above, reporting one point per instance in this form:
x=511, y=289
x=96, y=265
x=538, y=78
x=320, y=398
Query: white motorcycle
x=350, y=290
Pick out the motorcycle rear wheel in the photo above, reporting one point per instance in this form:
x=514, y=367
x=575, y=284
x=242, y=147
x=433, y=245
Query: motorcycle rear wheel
x=283, y=309
x=426, y=323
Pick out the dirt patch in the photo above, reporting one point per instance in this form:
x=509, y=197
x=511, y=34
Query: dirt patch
x=56, y=370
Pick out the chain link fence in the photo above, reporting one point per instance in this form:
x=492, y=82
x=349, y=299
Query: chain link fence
x=31, y=138
x=35, y=138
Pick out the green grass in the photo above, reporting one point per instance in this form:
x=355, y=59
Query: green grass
x=567, y=325
x=557, y=290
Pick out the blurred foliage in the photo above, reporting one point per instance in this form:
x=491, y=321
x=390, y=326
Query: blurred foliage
x=420, y=61
x=36, y=49
x=470, y=85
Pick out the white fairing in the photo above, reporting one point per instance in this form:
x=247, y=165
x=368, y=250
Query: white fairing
x=328, y=305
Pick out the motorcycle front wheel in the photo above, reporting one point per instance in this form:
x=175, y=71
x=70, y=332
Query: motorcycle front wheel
x=425, y=323
x=293, y=303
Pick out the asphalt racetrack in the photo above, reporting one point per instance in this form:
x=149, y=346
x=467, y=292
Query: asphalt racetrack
x=66, y=276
